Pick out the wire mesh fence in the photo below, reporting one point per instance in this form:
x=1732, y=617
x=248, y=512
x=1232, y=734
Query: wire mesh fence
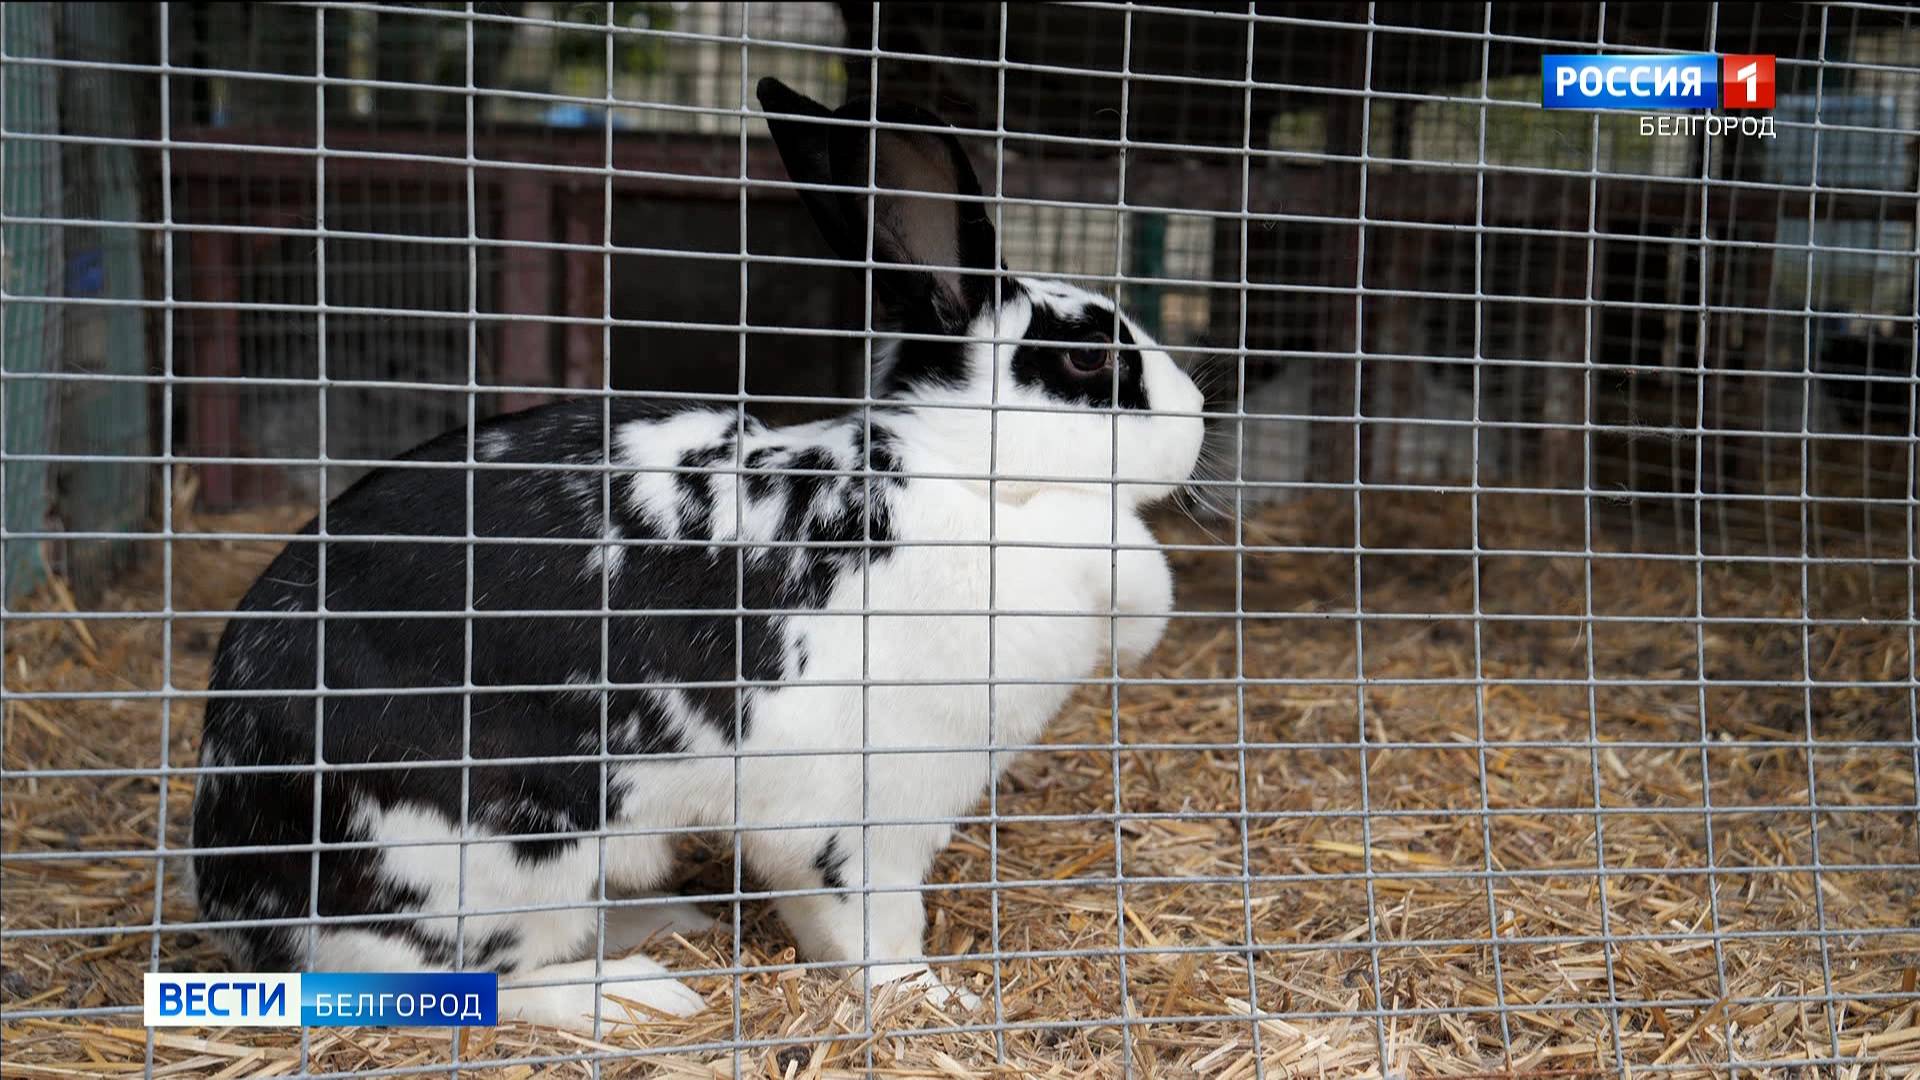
x=1256, y=550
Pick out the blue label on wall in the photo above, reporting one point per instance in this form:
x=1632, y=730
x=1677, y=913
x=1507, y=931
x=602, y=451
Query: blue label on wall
x=1630, y=82
x=86, y=272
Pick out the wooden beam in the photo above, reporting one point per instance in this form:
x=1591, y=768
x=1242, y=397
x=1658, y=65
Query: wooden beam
x=688, y=166
x=213, y=409
x=584, y=282
x=525, y=287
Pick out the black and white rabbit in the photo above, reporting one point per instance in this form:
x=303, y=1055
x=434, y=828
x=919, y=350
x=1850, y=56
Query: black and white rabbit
x=429, y=804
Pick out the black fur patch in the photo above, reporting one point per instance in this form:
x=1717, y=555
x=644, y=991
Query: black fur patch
x=760, y=485
x=882, y=454
x=428, y=648
x=832, y=863
x=1050, y=366
x=696, y=488
x=921, y=363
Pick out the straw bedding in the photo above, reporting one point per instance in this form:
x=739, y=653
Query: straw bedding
x=1686, y=1000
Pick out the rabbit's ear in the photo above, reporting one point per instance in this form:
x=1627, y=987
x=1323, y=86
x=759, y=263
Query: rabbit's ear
x=803, y=149
x=944, y=246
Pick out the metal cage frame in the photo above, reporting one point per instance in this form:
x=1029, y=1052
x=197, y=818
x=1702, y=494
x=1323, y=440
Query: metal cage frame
x=1341, y=445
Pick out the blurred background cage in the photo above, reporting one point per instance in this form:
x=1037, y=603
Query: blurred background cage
x=1563, y=482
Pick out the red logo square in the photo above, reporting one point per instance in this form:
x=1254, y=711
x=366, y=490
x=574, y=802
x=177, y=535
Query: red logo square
x=1746, y=82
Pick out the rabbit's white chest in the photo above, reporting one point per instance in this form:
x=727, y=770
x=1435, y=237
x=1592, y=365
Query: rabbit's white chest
x=943, y=650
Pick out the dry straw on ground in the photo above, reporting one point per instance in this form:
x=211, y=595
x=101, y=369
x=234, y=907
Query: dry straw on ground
x=1703, y=969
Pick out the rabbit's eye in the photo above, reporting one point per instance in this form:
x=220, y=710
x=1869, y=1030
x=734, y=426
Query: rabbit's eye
x=1090, y=361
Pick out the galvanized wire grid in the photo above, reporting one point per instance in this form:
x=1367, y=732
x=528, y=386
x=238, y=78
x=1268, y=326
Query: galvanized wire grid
x=1355, y=442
